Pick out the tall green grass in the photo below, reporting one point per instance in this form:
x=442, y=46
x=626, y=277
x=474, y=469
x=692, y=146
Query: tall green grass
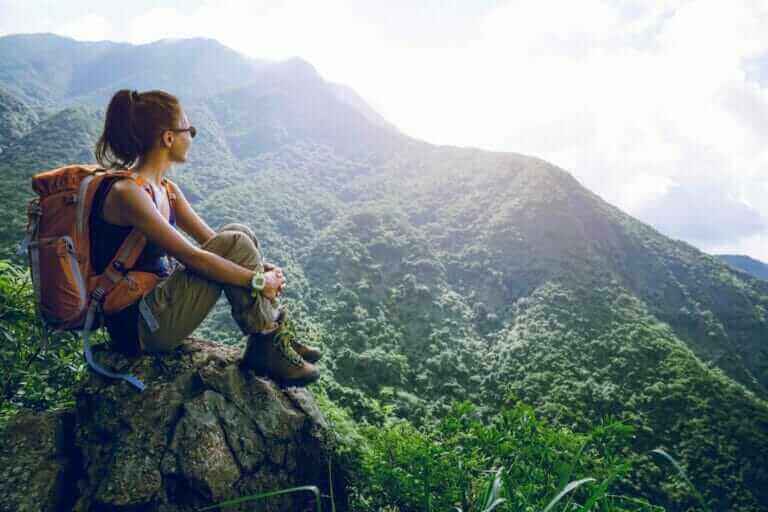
x=684, y=475
x=262, y=496
x=491, y=498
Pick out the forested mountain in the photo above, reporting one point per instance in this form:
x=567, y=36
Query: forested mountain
x=750, y=265
x=431, y=274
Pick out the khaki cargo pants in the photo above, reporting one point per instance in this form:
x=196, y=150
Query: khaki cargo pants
x=178, y=304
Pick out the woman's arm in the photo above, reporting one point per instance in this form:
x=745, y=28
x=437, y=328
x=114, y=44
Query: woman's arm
x=191, y=223
x=129, y=205
x=188, y=220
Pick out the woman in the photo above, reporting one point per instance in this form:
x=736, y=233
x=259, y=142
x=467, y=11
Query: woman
x=146, y=133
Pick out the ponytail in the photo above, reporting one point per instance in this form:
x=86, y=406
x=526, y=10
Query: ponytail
x=132, y=125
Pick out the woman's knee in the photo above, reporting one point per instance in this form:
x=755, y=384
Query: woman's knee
x=235, y=246
x=234, y=226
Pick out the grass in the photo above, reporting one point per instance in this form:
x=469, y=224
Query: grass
x=681, y=471
x=568, y=488
x=257, y=497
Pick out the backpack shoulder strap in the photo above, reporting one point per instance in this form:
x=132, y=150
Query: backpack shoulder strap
x=169, y=186
x=124, y=259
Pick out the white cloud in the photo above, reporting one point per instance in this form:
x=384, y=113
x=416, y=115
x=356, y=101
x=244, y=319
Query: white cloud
x=642, y=189
x=702, y=213
x=90, y=27
x=278, y=31
x=23, y=17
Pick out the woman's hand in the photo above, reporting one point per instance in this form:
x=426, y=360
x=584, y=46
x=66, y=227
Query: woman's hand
x=274, y=282
x=270, y=266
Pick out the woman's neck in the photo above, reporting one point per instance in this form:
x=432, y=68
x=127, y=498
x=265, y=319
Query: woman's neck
x=152, y=169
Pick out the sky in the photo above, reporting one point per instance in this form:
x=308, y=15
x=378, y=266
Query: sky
x=661, y=108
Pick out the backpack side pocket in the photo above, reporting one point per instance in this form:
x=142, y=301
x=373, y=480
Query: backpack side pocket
x=59, y=285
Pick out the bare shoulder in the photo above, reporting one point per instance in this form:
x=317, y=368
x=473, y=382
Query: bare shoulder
x=124, y=196
x=126, y=188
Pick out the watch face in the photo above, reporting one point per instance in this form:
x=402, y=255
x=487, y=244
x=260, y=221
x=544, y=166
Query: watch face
x=258, y=281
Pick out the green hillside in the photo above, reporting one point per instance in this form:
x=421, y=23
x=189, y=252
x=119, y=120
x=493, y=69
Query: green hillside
x=17, y=118
x=436, y=274
x=38, y=68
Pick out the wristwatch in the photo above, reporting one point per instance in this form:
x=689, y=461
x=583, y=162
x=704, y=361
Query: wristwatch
x=257, y=283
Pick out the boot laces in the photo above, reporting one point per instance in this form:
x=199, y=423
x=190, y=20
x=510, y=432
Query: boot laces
x=284, y=343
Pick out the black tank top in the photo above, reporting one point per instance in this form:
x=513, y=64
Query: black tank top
x=106, y=239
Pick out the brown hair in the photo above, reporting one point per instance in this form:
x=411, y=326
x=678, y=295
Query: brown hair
x=133, y=123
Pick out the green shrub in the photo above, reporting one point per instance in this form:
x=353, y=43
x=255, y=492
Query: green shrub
x=36, y=375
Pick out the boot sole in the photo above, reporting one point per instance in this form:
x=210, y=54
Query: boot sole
x=283, y=382
x=280, y=381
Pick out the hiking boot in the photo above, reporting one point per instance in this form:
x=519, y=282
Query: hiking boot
x=271, y=354
x=254, y=356
x=308, y=353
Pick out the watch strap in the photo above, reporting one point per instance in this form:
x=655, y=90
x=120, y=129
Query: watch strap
x=257, y=283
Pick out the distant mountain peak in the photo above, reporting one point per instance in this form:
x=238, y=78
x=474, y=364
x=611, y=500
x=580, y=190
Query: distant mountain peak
x=36, y=36
x=746, y=264
x=169, y=40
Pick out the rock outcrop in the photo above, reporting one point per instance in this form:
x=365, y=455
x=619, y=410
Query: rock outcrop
x=201, y=433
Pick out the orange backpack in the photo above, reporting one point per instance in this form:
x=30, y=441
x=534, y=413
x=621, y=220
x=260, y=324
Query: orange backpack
x=69, y=295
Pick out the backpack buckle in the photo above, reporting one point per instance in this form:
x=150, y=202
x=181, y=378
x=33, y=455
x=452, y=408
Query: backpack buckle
x=34, y=209
x=97, y=295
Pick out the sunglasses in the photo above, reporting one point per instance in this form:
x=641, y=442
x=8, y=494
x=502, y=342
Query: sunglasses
x=192, y=131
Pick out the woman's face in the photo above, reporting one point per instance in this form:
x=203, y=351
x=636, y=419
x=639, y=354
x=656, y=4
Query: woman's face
x=181, y=140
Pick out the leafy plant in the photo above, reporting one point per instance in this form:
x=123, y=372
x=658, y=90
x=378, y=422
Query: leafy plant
x=490, y=499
